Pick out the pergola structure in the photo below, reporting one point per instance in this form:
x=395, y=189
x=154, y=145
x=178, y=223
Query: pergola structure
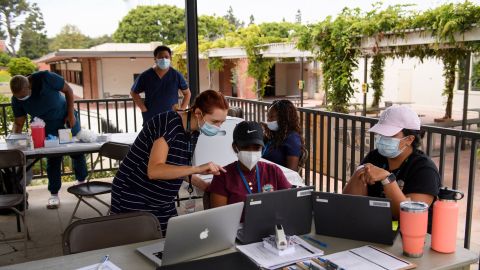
x=390, y=42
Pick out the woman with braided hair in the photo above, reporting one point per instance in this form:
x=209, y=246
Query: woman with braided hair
x=283, y=140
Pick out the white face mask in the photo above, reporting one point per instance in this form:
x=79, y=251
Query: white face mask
x=249, y=158
x=273, y=125
x=24, y=98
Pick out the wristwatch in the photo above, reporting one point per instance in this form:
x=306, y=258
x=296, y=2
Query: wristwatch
x=389, y=179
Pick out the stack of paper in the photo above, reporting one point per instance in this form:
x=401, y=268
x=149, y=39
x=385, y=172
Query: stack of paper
x=266, y=259
x=368, y=258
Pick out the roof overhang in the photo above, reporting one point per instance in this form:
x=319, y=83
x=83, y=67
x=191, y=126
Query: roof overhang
x=227, y=53
x=388, y=42
x=283, y=50
x=70, y=54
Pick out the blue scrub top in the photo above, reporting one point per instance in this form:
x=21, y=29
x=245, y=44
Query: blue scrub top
x=160, y=93
x=46, y=101
x=291, y=146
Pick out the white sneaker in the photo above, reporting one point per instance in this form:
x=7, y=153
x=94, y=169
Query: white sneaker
x=77, y=182
x=53, y=202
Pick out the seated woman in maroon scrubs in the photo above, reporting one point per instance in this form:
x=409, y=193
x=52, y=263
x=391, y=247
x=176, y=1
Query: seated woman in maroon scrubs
x=247, y=175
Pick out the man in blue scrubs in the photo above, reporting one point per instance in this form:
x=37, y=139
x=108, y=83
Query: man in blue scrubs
x=39, y=95
x=160, y=85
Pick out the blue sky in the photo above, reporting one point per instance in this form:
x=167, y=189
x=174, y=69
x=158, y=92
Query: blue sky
x=99, y=17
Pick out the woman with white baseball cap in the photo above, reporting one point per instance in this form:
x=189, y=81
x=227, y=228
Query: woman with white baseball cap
x=396, y=169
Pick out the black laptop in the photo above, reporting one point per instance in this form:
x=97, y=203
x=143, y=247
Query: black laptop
x=353, y=217
x=292, y=208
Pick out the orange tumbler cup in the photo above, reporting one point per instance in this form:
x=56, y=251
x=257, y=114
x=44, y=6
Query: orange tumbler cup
x=413, y=227
x=38, y=136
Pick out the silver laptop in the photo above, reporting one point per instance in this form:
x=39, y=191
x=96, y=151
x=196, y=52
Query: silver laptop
x=194, y=235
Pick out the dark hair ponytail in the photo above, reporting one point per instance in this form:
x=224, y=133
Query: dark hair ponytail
x=418, y=134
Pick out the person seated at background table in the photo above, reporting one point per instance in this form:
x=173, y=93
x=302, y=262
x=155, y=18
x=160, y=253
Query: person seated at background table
x=159, y=160
x=40, y=95
x=396, y=169
x=283, y=140
x=247, y=175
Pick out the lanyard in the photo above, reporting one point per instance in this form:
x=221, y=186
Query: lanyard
x=245, y=180
x=265, y=149
x=189, y=147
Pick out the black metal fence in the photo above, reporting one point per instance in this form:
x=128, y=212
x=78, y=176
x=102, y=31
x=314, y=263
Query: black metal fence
x=336, y=143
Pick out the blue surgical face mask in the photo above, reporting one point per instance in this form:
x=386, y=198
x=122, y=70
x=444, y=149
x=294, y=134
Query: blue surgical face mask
x=388, y=146
x=24, y=98
x=163, y=63
x=209, y=129
x=273, y=125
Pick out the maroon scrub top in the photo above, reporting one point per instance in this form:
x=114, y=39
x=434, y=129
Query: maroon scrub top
x=231, y=185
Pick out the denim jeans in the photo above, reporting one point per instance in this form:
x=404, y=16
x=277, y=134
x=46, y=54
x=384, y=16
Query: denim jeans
x=54, y=171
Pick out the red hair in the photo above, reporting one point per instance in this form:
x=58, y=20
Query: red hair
x=209, y=100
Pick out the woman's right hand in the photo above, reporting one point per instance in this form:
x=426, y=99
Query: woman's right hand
x=210, y=168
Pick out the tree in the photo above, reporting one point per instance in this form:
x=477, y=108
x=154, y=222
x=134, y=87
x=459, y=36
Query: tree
x=232, y=19
x=212, y=27
x=34, y=42
x=298, y=17
x=280, y=29
x=161, y=23
x=252, y=20
x=21, y=66
x=11, y=14
x=69, y=37
x=99, y=40
x=4, y=59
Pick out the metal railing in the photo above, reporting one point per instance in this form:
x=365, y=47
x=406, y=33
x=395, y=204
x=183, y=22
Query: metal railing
x=119, y=115
x=336, y=143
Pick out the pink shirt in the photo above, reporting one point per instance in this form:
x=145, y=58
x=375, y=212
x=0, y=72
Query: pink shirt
x=231, y=185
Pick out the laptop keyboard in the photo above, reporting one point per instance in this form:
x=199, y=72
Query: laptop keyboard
x=158, y=254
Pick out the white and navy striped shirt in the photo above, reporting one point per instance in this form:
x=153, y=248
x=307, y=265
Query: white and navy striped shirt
x=132, y=189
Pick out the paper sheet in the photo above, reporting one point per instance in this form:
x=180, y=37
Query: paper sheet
x=108, y=266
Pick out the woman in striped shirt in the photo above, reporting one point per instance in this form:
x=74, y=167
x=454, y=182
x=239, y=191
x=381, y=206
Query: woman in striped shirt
x=160, y=158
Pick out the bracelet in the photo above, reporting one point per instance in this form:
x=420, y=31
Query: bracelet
x=389, y=179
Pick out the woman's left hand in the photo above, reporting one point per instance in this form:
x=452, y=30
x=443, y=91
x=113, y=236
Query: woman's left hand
x=374, y=173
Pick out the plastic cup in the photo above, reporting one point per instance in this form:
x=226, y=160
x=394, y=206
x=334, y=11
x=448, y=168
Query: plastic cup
x=38, y=136
x=413, y=226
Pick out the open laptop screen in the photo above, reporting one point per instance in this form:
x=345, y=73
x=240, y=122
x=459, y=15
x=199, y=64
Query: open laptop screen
x=292, y=208
x=353, y=217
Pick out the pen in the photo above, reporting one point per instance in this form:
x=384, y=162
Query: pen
x=320, y=243
x=103, y=262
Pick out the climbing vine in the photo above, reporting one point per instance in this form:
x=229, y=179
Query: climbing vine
x=376, y=75
x=336, y=43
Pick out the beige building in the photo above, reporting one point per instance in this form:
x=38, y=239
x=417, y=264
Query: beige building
x=109, y=70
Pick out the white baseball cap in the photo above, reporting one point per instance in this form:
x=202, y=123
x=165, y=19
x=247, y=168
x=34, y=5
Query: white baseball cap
x=394, y=119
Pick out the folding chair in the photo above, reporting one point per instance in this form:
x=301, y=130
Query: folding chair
x=15, y=159
x=109, y=231
x=91, y=189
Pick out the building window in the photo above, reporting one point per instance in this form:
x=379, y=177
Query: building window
x=474, y=74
